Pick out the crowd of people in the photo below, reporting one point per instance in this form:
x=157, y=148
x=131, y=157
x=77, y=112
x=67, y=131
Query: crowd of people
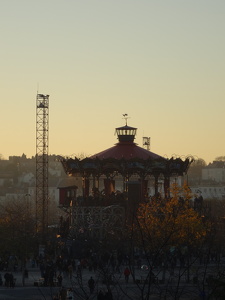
x=62, y=269
x=57, y=272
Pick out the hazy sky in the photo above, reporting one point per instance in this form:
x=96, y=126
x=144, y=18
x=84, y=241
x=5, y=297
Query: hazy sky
x=161, y=62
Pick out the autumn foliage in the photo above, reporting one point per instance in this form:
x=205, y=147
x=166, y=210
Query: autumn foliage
x=170, y=222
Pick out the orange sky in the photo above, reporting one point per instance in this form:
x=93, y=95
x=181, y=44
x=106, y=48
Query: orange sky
x=162, y=63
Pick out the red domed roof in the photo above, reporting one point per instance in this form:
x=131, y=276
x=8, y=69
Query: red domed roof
x=126, y=151
x=126, y=148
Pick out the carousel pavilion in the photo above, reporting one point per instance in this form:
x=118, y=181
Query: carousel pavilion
x=115, y=181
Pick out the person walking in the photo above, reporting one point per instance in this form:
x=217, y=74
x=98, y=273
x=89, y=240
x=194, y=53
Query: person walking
x=7, y=278
x=91, y=284
x=59, y=277
x=11, y=280
x=126, y=274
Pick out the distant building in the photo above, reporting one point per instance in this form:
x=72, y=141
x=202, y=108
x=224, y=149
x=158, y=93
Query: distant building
x=214, y=172
x=209, y=192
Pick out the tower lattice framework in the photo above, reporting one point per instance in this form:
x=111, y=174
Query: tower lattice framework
x=42, y=139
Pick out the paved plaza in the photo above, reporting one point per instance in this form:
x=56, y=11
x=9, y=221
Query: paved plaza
x=32, y=287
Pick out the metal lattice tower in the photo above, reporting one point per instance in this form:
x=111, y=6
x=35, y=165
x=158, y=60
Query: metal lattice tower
x=42, y=194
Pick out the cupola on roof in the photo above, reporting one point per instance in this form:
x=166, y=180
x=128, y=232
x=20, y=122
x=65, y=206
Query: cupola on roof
x=126, y=133
x=126, y=148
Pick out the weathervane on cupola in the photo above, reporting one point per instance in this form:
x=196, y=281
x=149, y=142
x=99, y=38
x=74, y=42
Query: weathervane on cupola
x=125, y=117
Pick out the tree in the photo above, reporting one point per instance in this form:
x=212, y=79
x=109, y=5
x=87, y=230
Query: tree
x=170, y=222
x=167, y=231
x=17, y=229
